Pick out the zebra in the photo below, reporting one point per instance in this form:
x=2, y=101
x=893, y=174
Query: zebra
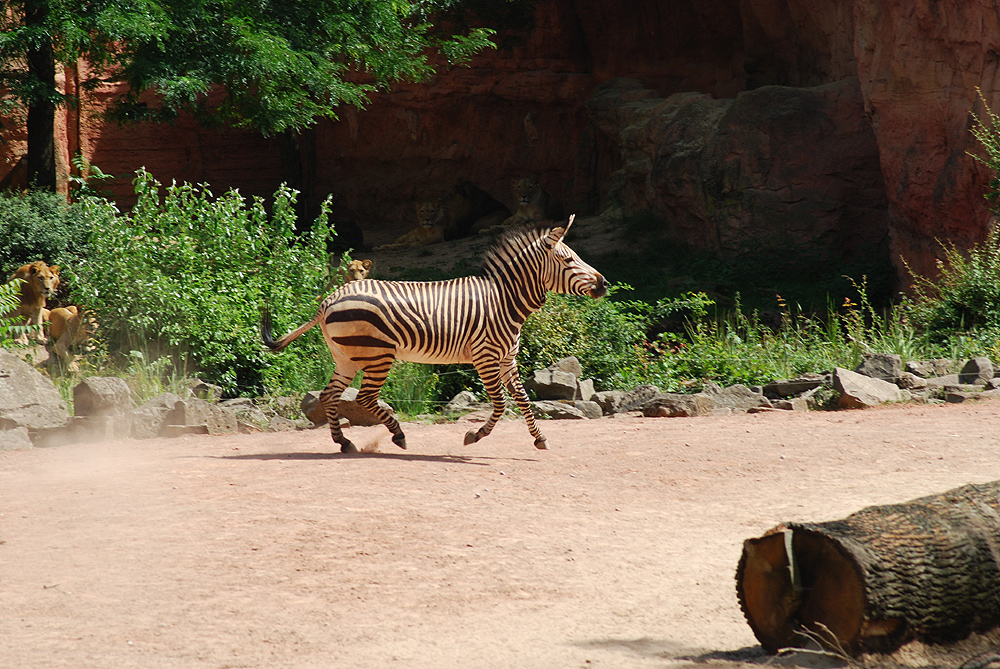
x=369, y=324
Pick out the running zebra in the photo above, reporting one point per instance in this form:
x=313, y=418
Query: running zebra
x=369, y=324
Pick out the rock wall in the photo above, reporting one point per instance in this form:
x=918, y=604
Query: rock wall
x=906, y=70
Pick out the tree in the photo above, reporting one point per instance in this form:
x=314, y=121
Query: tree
x=279, y=65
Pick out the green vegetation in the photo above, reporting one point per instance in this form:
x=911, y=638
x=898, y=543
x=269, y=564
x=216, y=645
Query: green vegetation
x=184, y=275
x=40, y=226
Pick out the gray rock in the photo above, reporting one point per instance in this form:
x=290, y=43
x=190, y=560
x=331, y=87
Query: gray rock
x=312, y=408
x=589, y=409
x=195, y=412
x=793, y=404
x=206, y=391
x=796, y=386
x=885, y=366
x=14, y=439
x=104, y=396
x=569, y=365
x=910, y=381
x=355, y=413
x=637, y=398
x=858, y=391
x=282, y=424
x=942, y=381
x=585, y=390
x=148, y=420
x=670, y=405
x=976, y=371
x=556, y=410
x=464, y=401
x=609, y=401
x=549, y=384
x=929, y=369
x=27, y=398
x=739, y=398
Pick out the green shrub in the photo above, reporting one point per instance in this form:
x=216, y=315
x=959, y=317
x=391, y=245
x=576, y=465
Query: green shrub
x=607, y=336
x=185, y=274
x=41, y=226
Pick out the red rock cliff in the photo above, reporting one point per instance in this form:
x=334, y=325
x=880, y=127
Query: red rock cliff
x=908, y=69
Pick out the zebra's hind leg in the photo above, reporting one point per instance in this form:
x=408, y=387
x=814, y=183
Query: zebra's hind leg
x=330, y=397
x=368, y=399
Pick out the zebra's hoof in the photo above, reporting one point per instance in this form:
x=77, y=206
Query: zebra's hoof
x=542, y=444
x=399, y=440
x=471, y=437
x=348, y=447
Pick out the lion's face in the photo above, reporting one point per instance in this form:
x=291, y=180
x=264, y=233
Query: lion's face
x=427, y=213
x=39, y=278
x=525, y=189
x=358, y=269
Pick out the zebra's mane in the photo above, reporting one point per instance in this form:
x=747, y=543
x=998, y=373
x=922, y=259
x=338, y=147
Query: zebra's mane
x=511, y=243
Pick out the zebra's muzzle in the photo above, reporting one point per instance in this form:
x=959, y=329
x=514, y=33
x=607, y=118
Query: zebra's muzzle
x=600, y=288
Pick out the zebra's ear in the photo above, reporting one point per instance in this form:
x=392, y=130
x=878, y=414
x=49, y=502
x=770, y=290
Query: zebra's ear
x=557, y=234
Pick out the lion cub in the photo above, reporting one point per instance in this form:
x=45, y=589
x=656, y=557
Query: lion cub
x=428, y=231
x=534, y=205
x=68, y=328
x=356, y=270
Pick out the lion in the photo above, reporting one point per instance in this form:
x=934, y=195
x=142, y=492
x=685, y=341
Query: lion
x=468, y=209
x=39, y=283
x=534, y=204
x=356, y=270
x=428, y=231
x=68, y=329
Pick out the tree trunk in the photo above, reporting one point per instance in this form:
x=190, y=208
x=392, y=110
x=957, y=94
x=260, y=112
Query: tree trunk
x=41, y=108
x=928, y=569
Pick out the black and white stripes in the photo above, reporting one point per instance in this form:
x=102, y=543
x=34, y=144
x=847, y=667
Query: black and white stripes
x=369, y=324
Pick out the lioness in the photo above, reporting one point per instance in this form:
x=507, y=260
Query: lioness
x=468, y=209
x=428, y=231
x=39, y=283
x=534, y=205
x=356, y=270
x=68, y=328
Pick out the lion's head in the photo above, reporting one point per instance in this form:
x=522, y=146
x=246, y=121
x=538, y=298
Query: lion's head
x=427, y=213
x=357, y=270
x=524, y=189
x=40, y=281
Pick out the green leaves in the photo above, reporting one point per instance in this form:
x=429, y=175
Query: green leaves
x=186, y=272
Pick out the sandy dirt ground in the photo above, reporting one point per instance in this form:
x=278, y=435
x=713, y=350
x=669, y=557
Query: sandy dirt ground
x=616, y=548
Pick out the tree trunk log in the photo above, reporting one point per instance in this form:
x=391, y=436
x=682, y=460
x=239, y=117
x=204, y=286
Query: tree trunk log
x=927, y=569
x=41, y=107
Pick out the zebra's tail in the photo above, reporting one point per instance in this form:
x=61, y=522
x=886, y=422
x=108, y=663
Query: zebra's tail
x=266, y=331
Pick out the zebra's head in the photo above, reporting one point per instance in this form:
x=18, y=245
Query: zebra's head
x=563, y=271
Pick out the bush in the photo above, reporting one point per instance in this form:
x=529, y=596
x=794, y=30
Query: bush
x=607, y=337
x=41, y=226
x=186, y=274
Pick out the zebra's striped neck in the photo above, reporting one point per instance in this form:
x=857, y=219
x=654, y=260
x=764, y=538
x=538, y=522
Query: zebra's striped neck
x=514, y=266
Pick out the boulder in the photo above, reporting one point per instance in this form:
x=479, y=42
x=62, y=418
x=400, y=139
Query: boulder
x=858, y=391
x=354, y=412
x=637, y=398
x=929, y=369
x=148, y=420
x=14, y=439
x=792, y=387
x=609, y=401
x=312, y=408
x=249, y=416
x=910, y=381
x=196, y=416
x=27, y=398
x=885, y=366
x=739, y=398
x=976, y=372
x=107, y=398
x=585, y=390
x=552, y=384
x=570, y=365
x=588, y=408
x=556, y=410
x=670, y=405
x=463, y=401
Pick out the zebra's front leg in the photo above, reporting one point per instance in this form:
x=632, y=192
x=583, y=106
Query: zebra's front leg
x=513, y=380
x=490, y=375
x=330, y=398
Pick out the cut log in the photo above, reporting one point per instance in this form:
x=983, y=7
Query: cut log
x=928, y=569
